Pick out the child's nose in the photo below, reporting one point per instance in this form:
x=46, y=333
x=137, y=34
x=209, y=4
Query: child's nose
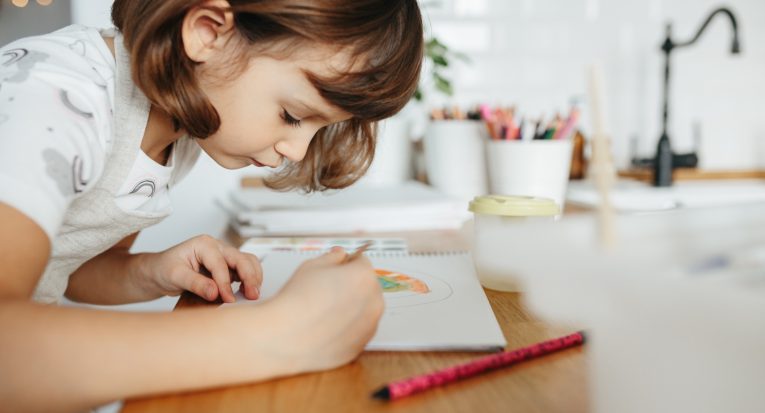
x=295, y=147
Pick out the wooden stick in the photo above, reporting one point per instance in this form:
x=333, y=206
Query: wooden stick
x=602, y=166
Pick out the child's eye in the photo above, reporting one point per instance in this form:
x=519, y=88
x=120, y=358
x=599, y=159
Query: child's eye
x=289, y=119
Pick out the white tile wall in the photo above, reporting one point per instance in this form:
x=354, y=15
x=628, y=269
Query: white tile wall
x=534, y=53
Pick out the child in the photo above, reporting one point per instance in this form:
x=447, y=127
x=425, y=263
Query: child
x=94, y=129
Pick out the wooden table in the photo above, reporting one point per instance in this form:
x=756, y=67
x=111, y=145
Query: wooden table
x=555, y=383
x=694, y=174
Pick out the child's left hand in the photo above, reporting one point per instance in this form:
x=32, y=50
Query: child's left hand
x=181, y=268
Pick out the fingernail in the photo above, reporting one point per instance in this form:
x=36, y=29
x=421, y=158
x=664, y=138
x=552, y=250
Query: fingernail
x=211, y=293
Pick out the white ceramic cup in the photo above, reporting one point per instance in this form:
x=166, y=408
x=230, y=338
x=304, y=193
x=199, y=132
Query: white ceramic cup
x=455, y=159
x=529, y=168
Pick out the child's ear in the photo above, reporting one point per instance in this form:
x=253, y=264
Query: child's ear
x=206, y=29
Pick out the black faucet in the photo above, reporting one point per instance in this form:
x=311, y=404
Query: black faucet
x=665, y=161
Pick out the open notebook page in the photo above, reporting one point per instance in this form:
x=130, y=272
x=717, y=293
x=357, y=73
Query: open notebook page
x=433, y=302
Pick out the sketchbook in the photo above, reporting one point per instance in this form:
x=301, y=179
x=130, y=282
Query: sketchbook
x=410, y=206
x=433, y=302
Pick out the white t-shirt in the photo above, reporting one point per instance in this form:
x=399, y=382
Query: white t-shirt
x=56, y=105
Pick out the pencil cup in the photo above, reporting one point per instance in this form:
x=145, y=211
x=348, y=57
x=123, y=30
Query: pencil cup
x=495, y=221
x=455, y=159
x=529, y=168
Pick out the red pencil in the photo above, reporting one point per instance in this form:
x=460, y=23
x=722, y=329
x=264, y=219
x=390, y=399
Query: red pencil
x=406, y=387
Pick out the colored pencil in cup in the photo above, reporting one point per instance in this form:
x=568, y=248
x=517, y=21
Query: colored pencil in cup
x=568, y=126
x=538, y=131
x=403, y=388
x=489, y=119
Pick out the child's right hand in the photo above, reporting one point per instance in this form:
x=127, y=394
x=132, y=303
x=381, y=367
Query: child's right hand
x=331, y=310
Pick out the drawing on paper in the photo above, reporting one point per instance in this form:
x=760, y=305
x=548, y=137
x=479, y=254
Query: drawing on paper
x=392, y=282
x=404, y=290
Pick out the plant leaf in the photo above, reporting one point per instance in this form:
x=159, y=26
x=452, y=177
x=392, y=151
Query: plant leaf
x=440, y=61
x=443, y=85
x=435, y=48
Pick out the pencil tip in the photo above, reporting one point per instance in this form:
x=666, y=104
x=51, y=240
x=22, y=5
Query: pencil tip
x=382, y=394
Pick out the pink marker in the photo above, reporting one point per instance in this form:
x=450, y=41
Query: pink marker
x=417, y=384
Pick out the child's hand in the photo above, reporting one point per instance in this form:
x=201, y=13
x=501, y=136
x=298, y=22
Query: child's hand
x=181, y=268
x=332, y=309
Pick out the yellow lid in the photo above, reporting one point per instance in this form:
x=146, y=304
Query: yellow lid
x=516, y=206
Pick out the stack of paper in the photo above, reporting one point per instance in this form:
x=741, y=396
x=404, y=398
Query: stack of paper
x=411, y=206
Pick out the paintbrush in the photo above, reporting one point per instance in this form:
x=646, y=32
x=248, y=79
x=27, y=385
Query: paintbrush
x=360, y=250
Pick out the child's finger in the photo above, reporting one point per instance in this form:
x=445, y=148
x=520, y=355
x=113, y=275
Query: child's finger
x=197, y=283
x=211, y=257
x=249, y=270
x=336, y=255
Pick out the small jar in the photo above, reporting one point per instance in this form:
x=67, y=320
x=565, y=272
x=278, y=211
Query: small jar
x=495, y=217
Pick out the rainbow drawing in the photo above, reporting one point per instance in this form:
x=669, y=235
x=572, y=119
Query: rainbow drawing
x=393, y=282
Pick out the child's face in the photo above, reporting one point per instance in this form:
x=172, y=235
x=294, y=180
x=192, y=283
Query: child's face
x=271, y=111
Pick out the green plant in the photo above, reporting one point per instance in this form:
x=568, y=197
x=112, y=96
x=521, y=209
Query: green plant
x=440, y=57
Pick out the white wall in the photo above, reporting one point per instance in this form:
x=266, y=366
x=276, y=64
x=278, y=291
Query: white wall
x=94, y=13
x=534, y=53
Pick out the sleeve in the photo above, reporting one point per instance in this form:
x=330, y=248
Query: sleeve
x=50, y=149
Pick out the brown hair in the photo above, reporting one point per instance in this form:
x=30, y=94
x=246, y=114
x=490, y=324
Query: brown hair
x=385, y=36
